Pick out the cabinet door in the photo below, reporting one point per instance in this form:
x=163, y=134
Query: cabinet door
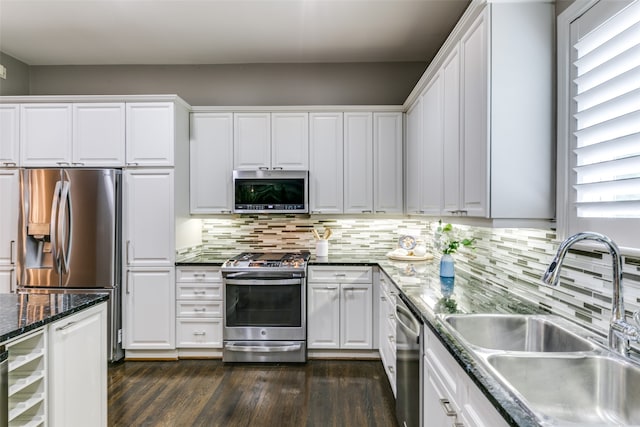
x=413, y=161
x=99, y=134
x=9, y=135
x=358, y=163
x=148, y=225
x=451, y=132
x=78, y=369
x=475, y=118
x=325, y=163
x=45, y=134
x=387, y=162
x=7, y=280
x=211, y=167
x=323, y=319
x=433, y=398
x=9, y=189
x=356, y=316
x=290, y=141
x=150, y=133
x=251, y=141
x=432, y=154
x=149, y=309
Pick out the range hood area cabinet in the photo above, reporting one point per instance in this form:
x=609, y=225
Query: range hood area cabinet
x=354, y=157
x=480, y=138
x=271, y=141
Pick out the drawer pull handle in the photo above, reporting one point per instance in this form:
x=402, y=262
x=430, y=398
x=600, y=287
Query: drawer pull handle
x=199, y=275
x=68, y=325
x=340, y=275
x=391, y=369
x=448, y=409
x=199, y=292
x=202, y=333
x=332, y=288
x=200, y=310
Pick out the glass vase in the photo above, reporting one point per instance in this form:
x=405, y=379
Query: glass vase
x=446, y=266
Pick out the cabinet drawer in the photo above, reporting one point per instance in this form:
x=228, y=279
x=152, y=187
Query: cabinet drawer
x=190, y=291
x=199, y=333
x=199, y=309
x=198, y=275
x=341, y=275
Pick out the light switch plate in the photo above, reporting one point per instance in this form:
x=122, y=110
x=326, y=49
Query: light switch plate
x=3, y=72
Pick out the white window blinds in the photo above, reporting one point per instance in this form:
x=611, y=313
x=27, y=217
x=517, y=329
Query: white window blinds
x=606, y=148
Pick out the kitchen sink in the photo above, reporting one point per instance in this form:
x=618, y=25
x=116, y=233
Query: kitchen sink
x=529, y=333
x=574, y=389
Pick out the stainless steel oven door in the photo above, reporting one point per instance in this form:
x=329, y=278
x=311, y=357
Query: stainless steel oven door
x=264, y=309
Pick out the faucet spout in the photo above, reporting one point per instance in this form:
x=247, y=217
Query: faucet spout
x=620, y=332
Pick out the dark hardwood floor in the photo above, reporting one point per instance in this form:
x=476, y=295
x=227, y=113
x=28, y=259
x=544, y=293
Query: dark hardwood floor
x=210, y=393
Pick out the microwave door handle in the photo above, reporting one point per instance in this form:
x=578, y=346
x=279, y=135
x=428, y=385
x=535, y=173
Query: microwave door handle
x=65, y=226
x=53, y=224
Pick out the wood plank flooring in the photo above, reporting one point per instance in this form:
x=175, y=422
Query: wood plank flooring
x=210, y=393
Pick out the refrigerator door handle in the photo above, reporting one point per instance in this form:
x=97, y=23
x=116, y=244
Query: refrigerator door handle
x=65, y=226
x=53, y=224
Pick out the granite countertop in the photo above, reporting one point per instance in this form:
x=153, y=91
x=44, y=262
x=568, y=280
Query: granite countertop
x=428, y=296
x=21, y=313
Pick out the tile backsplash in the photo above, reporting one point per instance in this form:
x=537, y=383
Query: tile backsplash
x=513, y=258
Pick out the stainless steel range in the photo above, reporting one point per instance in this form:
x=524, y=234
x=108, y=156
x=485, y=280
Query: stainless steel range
x=265, y=307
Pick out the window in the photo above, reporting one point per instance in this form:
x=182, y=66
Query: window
x=599, y=120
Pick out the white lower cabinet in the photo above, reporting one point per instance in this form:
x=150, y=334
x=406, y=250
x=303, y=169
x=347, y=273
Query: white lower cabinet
x=340, y=308
x=450, y=396
x=78, y=369
x=387, y=328
x=149, y=309
x=199, y=307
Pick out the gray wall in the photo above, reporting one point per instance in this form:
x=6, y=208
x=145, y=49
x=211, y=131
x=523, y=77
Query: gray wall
x=239, y=84
x=17, y=82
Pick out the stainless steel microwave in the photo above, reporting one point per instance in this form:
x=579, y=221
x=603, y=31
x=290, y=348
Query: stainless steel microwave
x=270, y=191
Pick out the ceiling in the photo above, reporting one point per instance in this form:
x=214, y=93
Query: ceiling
x=98, y=32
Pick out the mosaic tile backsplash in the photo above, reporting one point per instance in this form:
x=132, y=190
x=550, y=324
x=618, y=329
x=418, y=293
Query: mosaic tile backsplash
x=510, y=258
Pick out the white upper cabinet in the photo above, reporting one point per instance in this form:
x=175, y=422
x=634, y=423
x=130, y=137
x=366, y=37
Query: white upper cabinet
x=358, y=163
x=475, y=119
x=271, y=141
x=98, y=135
x=45, y=134
x=150, y=133
x=387, y=162
x=496, y=153
x=9, y=135
x=450, y=75
x=251, y=141
x=211, y=166
x=72, y=135
x=326, y=163
x=413, y=159
x=290, y=141
x=431, y=199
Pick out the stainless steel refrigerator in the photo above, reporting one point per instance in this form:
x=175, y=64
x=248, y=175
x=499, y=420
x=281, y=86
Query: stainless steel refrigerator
x=70, y=237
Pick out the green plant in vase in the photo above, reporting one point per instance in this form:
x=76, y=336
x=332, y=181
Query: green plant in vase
x=447, y=241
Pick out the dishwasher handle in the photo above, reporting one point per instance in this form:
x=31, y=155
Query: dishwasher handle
x=413, y=333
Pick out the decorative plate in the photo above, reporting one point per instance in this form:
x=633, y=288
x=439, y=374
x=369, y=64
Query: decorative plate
x=407, y=242
x=426, y=257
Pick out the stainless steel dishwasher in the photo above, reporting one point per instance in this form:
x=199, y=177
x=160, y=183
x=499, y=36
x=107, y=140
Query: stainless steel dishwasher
x=410, y=333
x=4, y=387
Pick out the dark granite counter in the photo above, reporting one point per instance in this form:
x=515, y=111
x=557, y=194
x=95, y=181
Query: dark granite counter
x=428, y=296
x=21, y=313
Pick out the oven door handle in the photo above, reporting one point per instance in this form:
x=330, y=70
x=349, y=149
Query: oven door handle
x=273, y=282
x=263, y=349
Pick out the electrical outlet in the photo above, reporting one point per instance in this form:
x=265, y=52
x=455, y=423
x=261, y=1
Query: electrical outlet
x=3, y=72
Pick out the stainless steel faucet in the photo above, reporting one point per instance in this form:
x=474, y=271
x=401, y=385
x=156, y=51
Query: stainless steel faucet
x=620, y=331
